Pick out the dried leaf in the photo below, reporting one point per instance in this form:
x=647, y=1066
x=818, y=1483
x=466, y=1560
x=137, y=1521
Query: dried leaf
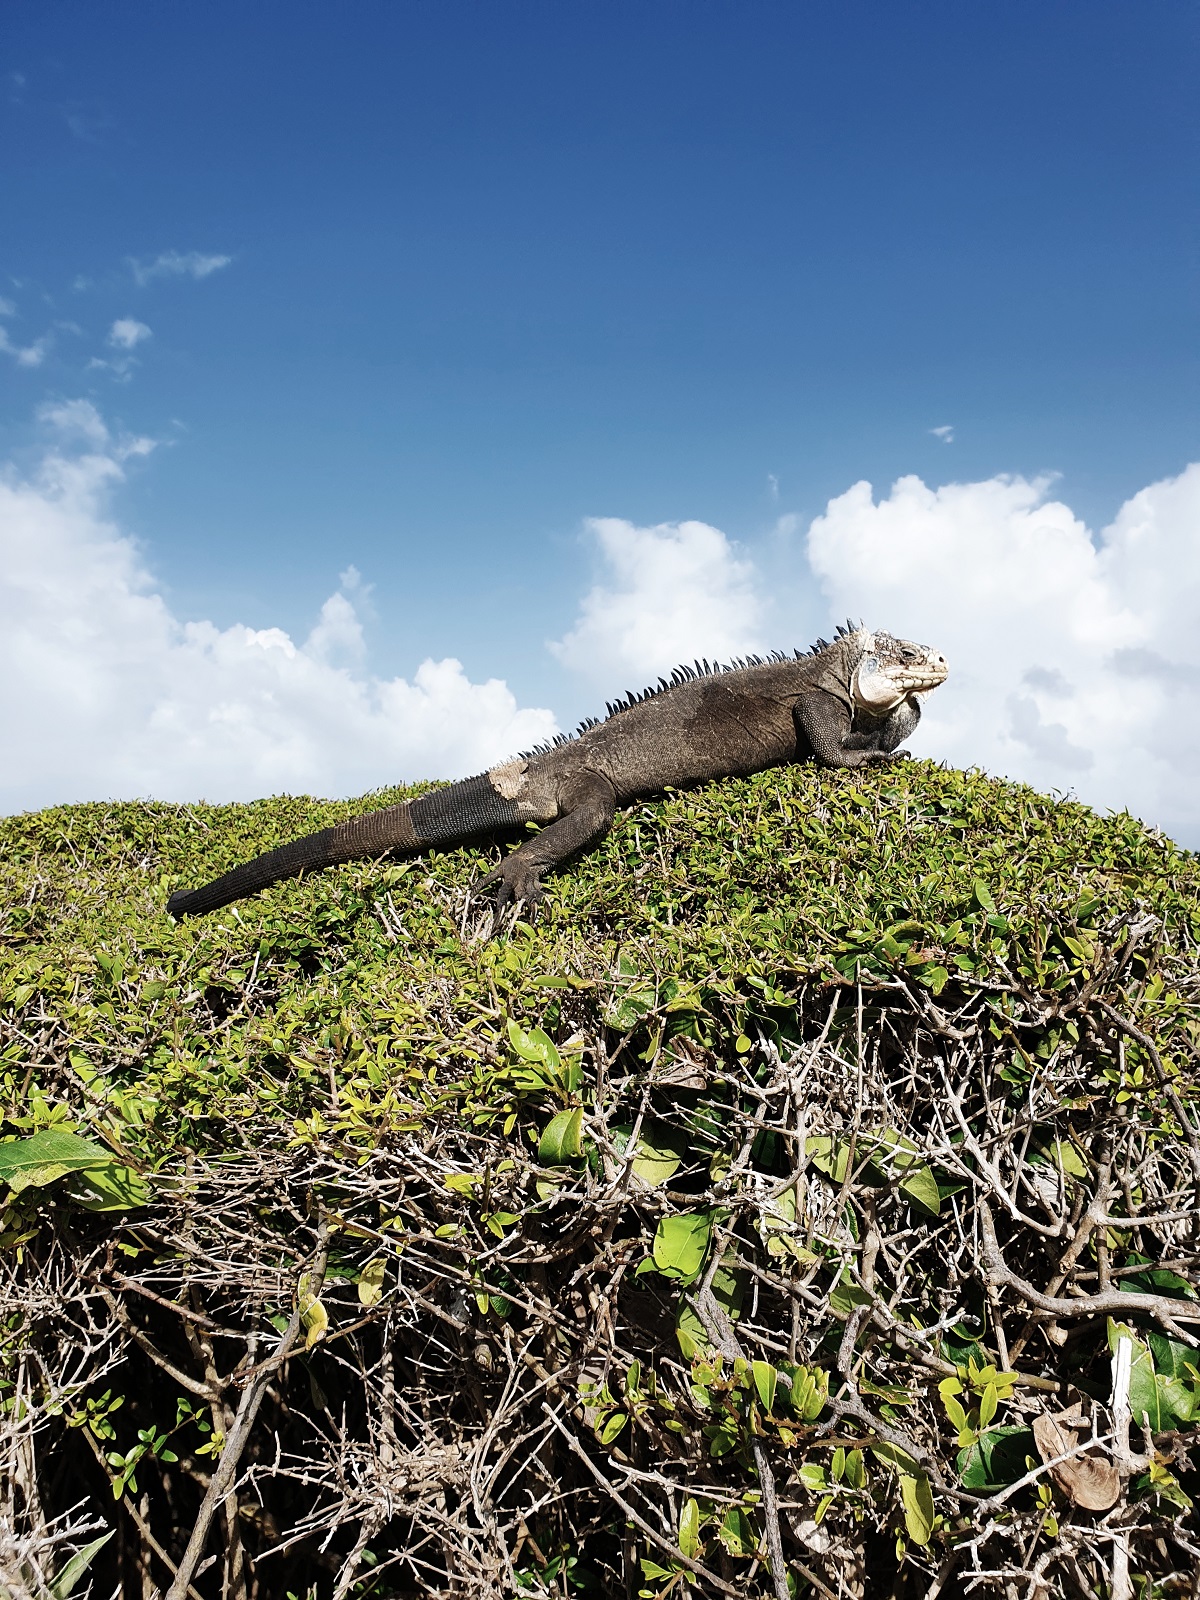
x=1089, y=1480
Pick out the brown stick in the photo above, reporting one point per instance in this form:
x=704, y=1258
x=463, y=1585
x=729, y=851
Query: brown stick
x=1161, y=1307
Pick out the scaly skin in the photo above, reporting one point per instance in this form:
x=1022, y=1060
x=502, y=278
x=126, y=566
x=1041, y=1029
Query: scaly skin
x=846, y=704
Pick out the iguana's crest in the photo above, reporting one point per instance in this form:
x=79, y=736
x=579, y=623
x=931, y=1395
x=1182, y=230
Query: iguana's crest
x=686, y=674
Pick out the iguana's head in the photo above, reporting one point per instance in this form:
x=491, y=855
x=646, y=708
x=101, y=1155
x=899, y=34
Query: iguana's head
x=890, y=669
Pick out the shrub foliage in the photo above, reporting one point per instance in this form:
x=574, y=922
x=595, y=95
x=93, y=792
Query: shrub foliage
x=805, y=1203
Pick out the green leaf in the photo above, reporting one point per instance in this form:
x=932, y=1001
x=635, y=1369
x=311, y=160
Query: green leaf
x=562, y=1140
x=370, y=1282
x=729, y=1289
x=111, y=1187
x=988, y=1403
x=892, y=1456
x=690, y=1331
x=956, y=1414
x=65, y=1581
x=463, y=1182
x=658, y=1155
x=1067, y=1159
x=535, y=1046
x=828, y=1156
x=652, y=1570
x=919, y=1184
x=47, y=1156
x=809, y=1391
x=996, y=1458
x=983, y=896
x=1174, y=1360
x=736, y=1533
x=314, y=1319
x=689, y=1529
x=845, y=1296
x=919, y=1513
x=765, y=1379
x=681, y=1244
x=612, y=1427
x=1152, y=1399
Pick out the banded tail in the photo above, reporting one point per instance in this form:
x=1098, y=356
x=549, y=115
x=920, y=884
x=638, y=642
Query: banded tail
x=451, y=815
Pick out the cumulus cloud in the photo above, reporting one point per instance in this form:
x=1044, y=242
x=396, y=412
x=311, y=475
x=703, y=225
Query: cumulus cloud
x=675, y=591
x=177, y=264
x=126, y=332
x=111, y=694
x=1075, y=658
x=945, y=433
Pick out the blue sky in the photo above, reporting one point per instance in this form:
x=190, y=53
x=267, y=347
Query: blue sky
x=497, y=269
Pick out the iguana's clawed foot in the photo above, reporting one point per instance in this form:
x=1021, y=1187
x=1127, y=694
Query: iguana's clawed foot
x=517, y=884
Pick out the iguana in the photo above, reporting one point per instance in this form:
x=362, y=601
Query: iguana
x=848, y=704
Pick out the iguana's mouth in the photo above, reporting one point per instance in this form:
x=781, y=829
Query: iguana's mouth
x=912, y=682
x=880, y=686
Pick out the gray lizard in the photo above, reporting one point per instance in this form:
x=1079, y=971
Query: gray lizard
x=848, y=704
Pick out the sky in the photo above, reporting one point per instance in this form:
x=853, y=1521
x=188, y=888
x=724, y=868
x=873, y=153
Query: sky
x=385, y=386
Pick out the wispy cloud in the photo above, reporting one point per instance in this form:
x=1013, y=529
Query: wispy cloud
x=28, y=355
x=945, y=433
x=177, y=264
x=127, y=332
x=78, y=423
x=113, y=693
x=87, y=122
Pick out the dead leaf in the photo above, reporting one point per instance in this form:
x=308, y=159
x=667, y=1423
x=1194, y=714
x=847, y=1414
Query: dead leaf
x=687, y=1068
x=1089, y=1480
x=810, y=1533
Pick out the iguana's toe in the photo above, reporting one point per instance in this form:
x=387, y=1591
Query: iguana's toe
x=515, y=882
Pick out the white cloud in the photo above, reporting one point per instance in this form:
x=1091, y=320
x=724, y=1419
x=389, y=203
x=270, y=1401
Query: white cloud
x=7, y=308
x=29, y=355
x=1075, y=660
x=109, y=693
x=127, y=332
x=177, y=264
x=945, y=433
x=679, y=590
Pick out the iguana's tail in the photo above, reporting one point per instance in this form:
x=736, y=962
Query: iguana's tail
x=451, y=815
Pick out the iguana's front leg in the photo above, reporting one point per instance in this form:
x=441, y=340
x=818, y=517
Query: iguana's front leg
x=587, y=808
x=823, y=723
